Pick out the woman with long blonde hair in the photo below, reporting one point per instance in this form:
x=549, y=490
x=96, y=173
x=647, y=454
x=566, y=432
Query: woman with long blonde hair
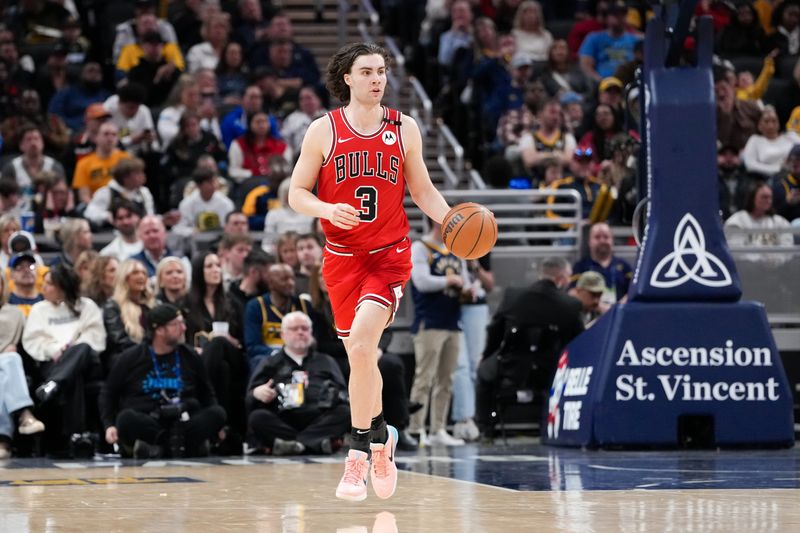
x=125, y=313
x=99, y=284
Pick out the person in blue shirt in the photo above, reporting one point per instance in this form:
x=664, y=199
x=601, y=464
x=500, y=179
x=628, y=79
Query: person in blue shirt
x=616, y=272
x=603, y=51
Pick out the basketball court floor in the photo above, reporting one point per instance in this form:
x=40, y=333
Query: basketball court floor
x=501, y=488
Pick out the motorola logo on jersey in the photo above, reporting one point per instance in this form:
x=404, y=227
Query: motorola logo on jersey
x=389, y=138
x=366, y=164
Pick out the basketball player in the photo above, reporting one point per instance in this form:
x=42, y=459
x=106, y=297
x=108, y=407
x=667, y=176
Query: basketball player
x=361, y=157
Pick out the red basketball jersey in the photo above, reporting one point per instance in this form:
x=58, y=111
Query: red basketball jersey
x=365, y=171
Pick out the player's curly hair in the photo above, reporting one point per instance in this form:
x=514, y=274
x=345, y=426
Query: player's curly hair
x=341, y=63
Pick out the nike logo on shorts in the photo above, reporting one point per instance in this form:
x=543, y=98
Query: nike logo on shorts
x=400, y=250
x=345, y=140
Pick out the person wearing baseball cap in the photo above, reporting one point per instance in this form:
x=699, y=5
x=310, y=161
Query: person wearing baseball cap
x=157, y=399
x=589, y=290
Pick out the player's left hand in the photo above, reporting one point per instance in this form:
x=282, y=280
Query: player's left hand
x=344, y=216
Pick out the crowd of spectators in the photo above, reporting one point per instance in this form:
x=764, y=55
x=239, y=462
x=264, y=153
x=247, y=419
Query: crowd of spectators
x=142, y=142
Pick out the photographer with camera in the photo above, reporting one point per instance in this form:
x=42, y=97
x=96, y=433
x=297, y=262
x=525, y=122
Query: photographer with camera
x=158, y=398
x=297, y=398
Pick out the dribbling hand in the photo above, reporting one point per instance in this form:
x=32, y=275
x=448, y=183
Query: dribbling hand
x=344, y=216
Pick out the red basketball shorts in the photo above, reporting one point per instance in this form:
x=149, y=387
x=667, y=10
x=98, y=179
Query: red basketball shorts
x=355, y=278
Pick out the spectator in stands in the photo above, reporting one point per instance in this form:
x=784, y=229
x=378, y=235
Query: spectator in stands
x=153, y=235
x=744, y=36
x=283, y=219
x=280, y=29
x=252, y=27
x=234, y=124
x=84, y=142
x=70, y=102
x=35, y=22
x=153, y=71
x=144, y=20
x=309, y=255
x=55, y=203
x=263, y=314
x=492, y=84
x=185, y=96
x=529, y=31
x=28, y=110
x=232, y=73
x=232, y=250
x=181, y=418
x=84, y=265
x=542, y=312
x=616, y=272
x=589, y=290
x=94, y=171
x=216, y=331
x=786, y=37
x=125, y=313
x=25, y=169
x=572, y=105
x=9, y=224
x=733, y=181
x=23, y=292
x=171, y=281
x=125, y=217
x=253, y=280
x=249, y=154
x=75, y=43
x=99, y=287
x=10, y=198
x=753, y=90
x=786, y=187
x=65, y=334
x=562, y=75
x=205, y=208
x=603, y=51
x=580, y=179
x=607, y=124
x=164, y=58
x=438, y=281
x=737, y=119
x=75, y=236
x=133, y=118
x=295, y=125
x=279, y=419
x=181, y=157
x=215, y=30
x=235, y=222
x=128, y=183
x=15, y=401
x=458, y=36
x=286, y=249
x=187, y=19
x=758, y=214
x=548, y=141
x=767, y=150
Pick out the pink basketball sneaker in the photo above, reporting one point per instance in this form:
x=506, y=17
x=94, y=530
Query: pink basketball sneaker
x=384, y=471
x=353, y=485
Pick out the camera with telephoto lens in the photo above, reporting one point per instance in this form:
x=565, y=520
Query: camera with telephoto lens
x=171, y=412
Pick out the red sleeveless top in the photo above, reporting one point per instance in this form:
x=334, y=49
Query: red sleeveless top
x=365, y=171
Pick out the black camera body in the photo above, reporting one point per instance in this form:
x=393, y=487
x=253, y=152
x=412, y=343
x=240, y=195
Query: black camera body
x=170, y=412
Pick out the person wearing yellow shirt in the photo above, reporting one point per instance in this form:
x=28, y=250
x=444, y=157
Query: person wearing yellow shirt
x=132, y=53
x=747, y=89
x=94, y=170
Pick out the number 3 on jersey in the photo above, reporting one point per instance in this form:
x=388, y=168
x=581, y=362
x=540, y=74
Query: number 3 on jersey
x=369, y=203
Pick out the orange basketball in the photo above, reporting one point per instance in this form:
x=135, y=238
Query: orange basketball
x=469, y=230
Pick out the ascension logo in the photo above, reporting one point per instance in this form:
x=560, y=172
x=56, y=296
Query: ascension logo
x=689, y=260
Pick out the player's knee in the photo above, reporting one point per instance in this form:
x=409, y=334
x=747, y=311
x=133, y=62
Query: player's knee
x=361, y=353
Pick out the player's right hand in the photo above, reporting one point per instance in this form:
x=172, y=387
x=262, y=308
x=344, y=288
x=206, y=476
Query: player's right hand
x=344, y=216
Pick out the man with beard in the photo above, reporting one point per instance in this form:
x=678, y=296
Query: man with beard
x=125, y=218
x=254, y=279
x=158, y=397
x=70, y=102
x=616, y=272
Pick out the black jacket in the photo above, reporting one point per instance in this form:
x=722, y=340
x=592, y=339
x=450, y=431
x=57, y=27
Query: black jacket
x=323, y=375
x=117, y=339
x=541, y=307
x=133, y=383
